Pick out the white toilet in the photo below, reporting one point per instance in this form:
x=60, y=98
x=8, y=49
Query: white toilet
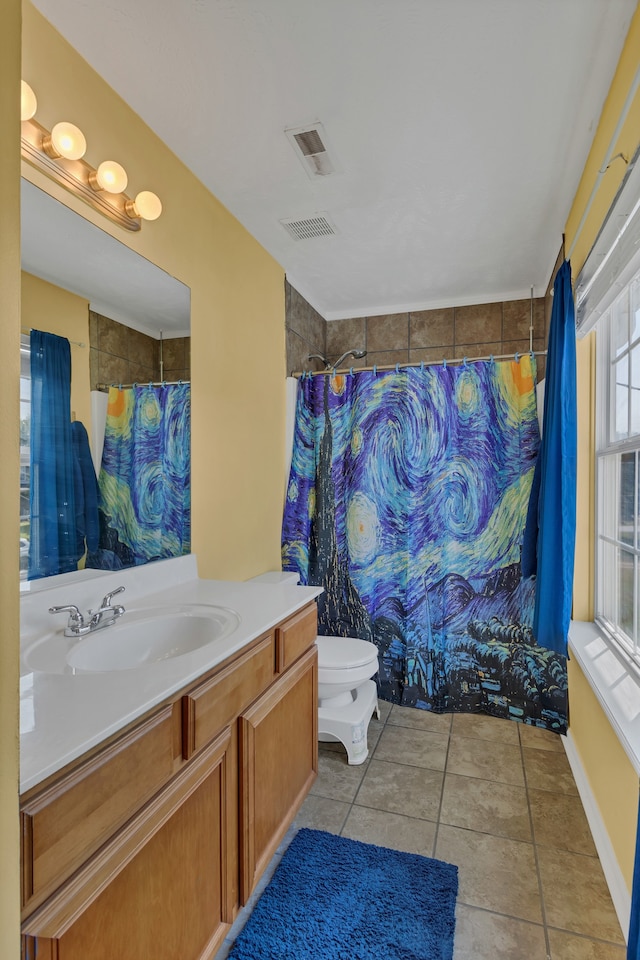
x=347, y=696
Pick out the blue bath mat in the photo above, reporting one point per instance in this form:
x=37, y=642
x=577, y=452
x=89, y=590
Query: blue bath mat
x=337, y=899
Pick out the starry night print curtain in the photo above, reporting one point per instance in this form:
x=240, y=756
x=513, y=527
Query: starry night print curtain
x=407, y=501
x=145, y=480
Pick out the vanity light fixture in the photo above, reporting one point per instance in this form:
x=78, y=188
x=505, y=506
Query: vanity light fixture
x=28, y=102
x=58, y=154
x=65, y=140
x=109, y=176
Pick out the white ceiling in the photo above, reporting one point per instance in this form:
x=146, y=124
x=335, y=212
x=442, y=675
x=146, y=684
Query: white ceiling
x=460, y=128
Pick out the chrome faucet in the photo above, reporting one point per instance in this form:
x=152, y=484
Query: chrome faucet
x=78, y=626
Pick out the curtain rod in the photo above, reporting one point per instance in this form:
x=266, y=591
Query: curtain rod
x=142, y=383
x=423, y=363
x=76, y=343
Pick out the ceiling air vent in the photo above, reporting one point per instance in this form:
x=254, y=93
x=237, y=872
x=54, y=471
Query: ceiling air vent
x=310, y=144
x=316, y=226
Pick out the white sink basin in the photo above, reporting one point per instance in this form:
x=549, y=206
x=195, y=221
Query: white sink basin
x=139, y=638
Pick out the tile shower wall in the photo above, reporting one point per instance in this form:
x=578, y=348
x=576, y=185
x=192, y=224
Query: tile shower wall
x=433, y=335
x=122, y=355
x=429, y=335
x=306, y=332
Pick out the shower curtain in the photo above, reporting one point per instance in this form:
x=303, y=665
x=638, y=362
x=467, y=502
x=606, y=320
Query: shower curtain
x=144, y=482
x=406, y=501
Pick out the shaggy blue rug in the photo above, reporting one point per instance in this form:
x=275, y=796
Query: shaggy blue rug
x=337, y=899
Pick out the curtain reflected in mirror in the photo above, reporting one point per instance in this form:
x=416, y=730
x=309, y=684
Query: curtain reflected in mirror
x=145, y=488
x=140, y=510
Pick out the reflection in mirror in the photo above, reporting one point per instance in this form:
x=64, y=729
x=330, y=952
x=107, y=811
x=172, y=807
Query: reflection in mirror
x=126, y=321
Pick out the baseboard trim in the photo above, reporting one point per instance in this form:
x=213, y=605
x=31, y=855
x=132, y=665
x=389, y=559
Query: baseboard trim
x=613, y=875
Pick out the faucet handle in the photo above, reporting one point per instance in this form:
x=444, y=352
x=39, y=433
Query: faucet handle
x=106, y=601
x=75, y=617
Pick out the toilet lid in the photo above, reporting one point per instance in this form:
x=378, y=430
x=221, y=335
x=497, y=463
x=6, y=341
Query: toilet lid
x=336, y=653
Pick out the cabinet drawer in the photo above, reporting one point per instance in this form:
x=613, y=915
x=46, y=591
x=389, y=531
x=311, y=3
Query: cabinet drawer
x=217, y=702
x=66, y=823
x=295, y=636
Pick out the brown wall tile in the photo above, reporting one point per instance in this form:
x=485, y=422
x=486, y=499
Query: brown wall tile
x=173, y=354
x=304, y=320
x=141, y=349
x=388, y=332
x=138, y=373
x=383, y=358
x=112, y=337
x=113, y=369
x=478, y=324
x=349, y=334
x=516, y=317
x=431, y=328
x=430, y=354
x=472, y=350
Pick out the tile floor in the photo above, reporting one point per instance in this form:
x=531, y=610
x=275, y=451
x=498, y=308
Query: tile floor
x=494, y=797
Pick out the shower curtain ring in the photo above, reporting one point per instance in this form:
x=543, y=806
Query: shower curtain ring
x=135, y=384
x=492, y=359
x=517, y=358
x=350, y=371
x=464, y=361
x=397, y=368
x=375, y=369
x=422, y=366
x=444, y=364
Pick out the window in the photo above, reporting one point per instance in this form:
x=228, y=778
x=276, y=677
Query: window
x=618, y=470
x=25, y=469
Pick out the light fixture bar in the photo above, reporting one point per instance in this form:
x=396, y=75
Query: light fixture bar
x=74, y=175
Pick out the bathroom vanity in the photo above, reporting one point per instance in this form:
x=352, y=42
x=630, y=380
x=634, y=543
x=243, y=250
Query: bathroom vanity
x=145, y=828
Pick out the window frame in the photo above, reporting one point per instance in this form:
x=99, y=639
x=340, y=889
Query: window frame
x=611, y=449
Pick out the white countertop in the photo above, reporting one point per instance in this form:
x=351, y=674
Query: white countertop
x=64, y=715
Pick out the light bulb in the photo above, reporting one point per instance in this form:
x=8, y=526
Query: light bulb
x=28, y=102
x=146, y=205
x=66, y=140
x=110, y=176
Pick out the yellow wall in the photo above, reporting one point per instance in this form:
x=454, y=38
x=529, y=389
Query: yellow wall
x=611, y=776
x=49, y=308
x=9, y=474
x=237, y=300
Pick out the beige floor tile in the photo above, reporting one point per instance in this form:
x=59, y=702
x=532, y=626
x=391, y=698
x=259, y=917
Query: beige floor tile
x=337, y=779
x=547, y=770
x=385, y=709
x=320, y=813
x=390, y=830
x=576, y=895
x=565, y=946
x=488, y=807
x=539, y=738
x=481, y=935
x=495, y=873
x=481, y=727
x=398, y=788
x=559, y=821
x=469, y=757
x=420, y=719
x=374, y=733
x=417, y=748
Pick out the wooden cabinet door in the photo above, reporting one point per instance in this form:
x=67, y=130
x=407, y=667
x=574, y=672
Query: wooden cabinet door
x=278, y=764
x=161, y=883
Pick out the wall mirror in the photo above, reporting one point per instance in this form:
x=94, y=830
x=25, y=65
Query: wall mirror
x=139, y=315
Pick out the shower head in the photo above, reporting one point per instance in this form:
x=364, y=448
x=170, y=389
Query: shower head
x=331, y=365
x=357, y=354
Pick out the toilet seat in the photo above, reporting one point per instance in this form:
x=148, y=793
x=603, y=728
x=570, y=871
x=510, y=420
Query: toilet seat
x=342, y=653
